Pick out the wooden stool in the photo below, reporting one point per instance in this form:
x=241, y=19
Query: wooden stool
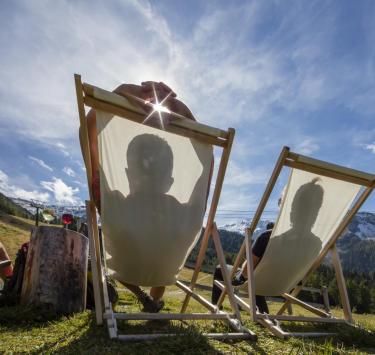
x=56, y=270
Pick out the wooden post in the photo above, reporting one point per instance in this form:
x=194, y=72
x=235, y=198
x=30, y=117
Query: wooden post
x=211, y=215
x=94, y=267
x=224, y=271
x=87, y=158
x=341, y=285
x=56, y=270
x=249, y=232
x=250, y=273
x=326, y=299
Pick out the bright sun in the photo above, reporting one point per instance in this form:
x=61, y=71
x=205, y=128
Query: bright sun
x=157, y=107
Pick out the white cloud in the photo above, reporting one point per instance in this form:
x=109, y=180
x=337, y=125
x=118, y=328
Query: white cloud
x=237, y=199
x=307, y=146
x=63, y=193
x=11, y=190
x=224, y=74
x=371, y=147
x=62, y=149
x=229, y=68
x=68, y=171
x=41, y=163
x=242, y=176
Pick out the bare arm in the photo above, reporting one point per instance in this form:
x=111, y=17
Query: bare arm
x=122, y=90
x=145, y=91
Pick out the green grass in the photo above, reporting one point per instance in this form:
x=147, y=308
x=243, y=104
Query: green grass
x=27, y=330
x=14, y=231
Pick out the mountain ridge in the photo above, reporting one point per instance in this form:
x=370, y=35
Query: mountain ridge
x=362, y=226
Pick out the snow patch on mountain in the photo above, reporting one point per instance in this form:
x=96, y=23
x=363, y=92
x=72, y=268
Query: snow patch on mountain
x=362, y=225
x=240, y=226
x=77, y=211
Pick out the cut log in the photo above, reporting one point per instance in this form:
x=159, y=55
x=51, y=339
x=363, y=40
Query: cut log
x=56, y=270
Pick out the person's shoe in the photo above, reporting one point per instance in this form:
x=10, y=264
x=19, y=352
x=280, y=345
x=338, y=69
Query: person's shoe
x=239, y=280
x=149, y=305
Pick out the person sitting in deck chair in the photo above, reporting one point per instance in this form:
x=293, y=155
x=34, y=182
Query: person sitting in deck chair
x=147, y=175
x=309, y=197
x=241, y=274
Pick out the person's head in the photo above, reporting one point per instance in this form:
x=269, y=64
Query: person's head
x=306, y=205
x=270, y=225
x=150, y=164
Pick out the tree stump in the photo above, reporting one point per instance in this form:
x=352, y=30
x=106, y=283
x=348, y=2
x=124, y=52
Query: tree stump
x=56, y=270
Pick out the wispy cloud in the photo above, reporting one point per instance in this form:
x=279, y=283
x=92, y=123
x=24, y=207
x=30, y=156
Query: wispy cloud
x=241, y=175
x=8, y=189
x=307, y=146
x=62, y=148
x=280, y=73
x=79, y=183
x=63, y=194
x=371, y=147
x=69, y=171
x=41, y=163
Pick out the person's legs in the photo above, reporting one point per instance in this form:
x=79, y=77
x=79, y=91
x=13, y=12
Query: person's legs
x=135, y=289
x=216, y=291
x=149, y=305
x=157, y=293
x=261, y=304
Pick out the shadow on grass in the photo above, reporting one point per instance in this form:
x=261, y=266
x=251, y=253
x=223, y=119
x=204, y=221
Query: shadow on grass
x=79, y=334
x=23, y=317
x=95, y=340
x=345, y=335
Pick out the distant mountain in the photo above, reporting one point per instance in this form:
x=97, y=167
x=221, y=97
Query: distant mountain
x=356, y=246
x=10, y=207
x=357, y=254
x=77, y=211
x=240, y=226
x=362, y=226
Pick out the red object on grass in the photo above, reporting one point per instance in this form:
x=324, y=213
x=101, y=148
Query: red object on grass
x=67, y=218
x=8, y=271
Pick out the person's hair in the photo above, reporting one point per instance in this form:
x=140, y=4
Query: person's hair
x=270, y=225
x=149, y=153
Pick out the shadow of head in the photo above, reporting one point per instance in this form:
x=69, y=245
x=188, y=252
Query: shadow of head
x=306, y=205
x=150, y=164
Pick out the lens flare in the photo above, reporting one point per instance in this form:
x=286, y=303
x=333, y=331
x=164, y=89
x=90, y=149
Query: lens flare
x=157, y=107
x=160, y=108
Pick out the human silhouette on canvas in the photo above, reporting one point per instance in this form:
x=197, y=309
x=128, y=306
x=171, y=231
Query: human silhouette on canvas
x=151, y=92
x=151, y=221
x=299, y=245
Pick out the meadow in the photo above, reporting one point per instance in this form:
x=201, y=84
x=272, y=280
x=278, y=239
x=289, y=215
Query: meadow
x=30, y=330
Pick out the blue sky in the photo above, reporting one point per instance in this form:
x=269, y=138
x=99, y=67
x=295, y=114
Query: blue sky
x=295, y=73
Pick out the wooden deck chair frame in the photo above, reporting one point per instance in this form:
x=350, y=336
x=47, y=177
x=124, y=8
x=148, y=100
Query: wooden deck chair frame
x=272, y=322
x=100, y=99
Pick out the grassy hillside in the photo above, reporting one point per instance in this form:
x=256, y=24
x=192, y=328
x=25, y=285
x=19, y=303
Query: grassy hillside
x=14, y=231
x=25, y=330
x=8, y=206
